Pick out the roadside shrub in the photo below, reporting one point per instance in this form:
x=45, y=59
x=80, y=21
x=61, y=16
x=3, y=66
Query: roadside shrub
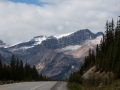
x=73, y=86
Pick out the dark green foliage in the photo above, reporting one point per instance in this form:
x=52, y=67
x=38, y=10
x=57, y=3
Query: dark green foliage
x=74, y=86
x=107, y=57
x=21, y=71
x=75, y=78
x=1, y=70
x=89, y=61
x=17, y=72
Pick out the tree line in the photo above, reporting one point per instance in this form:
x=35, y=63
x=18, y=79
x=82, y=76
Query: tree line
x=106, y=58
x=16, y=71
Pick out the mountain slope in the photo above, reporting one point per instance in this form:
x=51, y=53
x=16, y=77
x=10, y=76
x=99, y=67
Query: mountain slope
x=51, y=54
x=31, y=55
x=26, y=45
x=49, y=62
x=75, y=38
x=6, y=55
x=101, y=68
x=68, y=49
x=83, y=50
x=56, y=42
x=2, y=44
x=57, y=65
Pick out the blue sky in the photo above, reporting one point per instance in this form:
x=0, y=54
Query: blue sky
x=36, y=2
x=21, y=20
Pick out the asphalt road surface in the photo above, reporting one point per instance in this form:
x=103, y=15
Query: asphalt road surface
x=29, y=86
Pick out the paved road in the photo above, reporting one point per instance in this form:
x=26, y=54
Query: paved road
x=60, y=86
x=29, y=86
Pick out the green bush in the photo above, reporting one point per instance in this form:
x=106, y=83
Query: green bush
x=73, y=86
x=75, y=78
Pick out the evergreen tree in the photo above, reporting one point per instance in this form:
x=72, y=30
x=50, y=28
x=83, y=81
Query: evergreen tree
x=17, y=72
x=107, y=57
x=35, y=74
x=21, y=71
x=1, y=70
x=12, y=64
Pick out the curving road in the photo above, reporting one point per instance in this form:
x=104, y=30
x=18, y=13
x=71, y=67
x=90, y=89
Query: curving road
x=29, y=86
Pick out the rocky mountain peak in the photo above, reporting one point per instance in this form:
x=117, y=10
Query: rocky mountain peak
x=52, y=37
x=75, y=38
x=41, y=36
x=51, y=55
x=39, y=39
x=2, y=44
x=1, y=41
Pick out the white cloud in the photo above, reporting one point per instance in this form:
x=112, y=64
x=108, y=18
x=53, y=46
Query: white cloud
x=20, y=21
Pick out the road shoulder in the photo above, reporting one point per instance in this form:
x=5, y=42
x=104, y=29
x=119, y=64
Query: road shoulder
x=60, y=86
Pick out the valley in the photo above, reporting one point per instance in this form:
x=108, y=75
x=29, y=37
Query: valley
x=59, y=44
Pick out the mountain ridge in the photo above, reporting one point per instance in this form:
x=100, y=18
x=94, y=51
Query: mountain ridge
x=41, y=52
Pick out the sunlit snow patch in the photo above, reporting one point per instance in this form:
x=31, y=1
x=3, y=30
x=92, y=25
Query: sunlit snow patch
x=39, y=39
x=63, y=35
x=68, y=49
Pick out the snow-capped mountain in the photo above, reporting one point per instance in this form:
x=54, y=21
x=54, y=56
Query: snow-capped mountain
x=56, y=42
x=2, y=44
x=53, y=56
x=76, y=38
x=28, y=44
x=39, y=39
x=63, y=35
x=6, y=54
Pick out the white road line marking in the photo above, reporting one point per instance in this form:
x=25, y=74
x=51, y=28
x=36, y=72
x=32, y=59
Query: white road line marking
x=39, y=86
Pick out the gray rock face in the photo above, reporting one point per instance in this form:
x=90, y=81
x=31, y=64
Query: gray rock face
x=26, y=45
x=31, y=55
x=41, y=52
x=57, y=65
x=2, y=59
x=76, y=38
x=2, y=44
x=5, y=55
x=48, y=62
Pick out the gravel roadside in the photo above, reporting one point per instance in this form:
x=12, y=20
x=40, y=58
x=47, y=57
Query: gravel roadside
x=60, y=86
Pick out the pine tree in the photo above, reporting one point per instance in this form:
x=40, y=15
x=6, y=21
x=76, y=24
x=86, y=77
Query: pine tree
x=17, y=71
x=107, y=57
x=21, y=71
x=35, y=74
x=1, y=70
x=12, y=64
